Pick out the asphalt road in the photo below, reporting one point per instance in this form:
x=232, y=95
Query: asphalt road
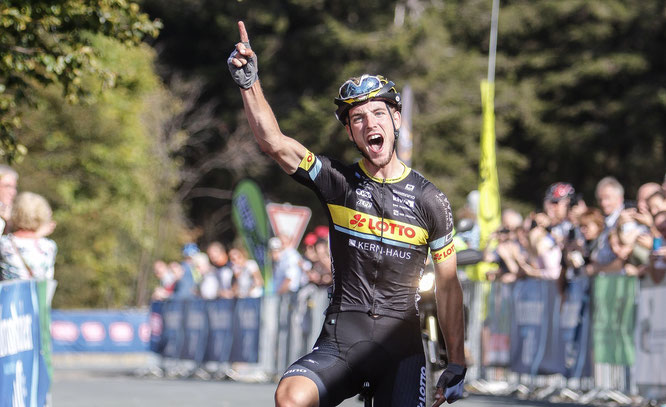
x=87, y=387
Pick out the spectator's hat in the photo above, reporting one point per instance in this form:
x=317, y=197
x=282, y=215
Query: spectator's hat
x=321, y=231
x=558, y=191
x=274, y=243
x=310, y=239
x=190, y=250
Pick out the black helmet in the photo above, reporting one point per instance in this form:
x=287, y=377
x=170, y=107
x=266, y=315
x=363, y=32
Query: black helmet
x=359, y=90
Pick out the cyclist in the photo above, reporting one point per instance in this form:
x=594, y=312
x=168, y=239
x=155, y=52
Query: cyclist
x=384, y=219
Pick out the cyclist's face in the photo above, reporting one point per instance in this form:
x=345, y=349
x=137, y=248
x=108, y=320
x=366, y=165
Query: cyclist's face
x=370, y=127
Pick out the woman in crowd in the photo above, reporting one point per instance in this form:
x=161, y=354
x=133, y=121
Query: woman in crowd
x=248, y=279
x=26, y=253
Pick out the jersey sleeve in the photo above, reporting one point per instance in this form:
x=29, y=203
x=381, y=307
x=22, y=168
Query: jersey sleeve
x=320, y=174
x=440, y=224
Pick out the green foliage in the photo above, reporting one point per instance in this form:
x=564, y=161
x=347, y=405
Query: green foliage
x=580, y=85
x=103, y=166
x=49, y=42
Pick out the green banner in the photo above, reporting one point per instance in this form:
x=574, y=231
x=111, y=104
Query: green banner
x=251, y=221
x=45, y=290
x=614, y=319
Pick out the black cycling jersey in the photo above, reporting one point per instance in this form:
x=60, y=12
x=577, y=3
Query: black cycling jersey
x=380, y=233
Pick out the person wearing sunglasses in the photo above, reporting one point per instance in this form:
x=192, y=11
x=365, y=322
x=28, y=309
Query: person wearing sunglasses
x=384, y=221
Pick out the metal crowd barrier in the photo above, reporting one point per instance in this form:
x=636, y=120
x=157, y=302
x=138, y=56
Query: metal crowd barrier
x=291, y=323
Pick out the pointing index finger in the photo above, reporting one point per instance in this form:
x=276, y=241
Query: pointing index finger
x=243, y=33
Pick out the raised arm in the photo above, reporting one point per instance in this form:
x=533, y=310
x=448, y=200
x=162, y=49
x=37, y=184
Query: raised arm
x=286, y=151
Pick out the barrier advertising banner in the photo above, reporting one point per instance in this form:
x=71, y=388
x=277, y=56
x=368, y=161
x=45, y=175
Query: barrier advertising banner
x=614, y=319
x=651, y=339
x=24, y=379
x=497, y=326
x=219, y=330
x=100, y=331
x=575, y=329
x=534, y=346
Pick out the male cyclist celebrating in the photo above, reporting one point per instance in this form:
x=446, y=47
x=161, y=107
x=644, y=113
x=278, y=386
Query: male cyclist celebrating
x=384, y=219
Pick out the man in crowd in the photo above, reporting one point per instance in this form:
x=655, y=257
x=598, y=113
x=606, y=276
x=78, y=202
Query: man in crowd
x=219, y=257
x=610, y=195
x=384, y=218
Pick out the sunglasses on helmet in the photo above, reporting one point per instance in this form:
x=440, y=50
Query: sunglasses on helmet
x=361, y=86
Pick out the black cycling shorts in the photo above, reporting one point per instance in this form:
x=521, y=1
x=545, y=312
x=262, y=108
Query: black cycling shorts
x=355, y=347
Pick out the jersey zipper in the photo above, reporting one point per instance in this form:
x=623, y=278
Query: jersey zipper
x=378, y=262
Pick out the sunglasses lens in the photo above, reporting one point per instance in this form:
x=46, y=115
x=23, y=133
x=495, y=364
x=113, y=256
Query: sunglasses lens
x=352, y=90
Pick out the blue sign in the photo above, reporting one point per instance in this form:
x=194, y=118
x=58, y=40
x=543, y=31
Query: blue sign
x=196, y=330
x=100, y=331
x=24, y=378
x=220, y=330
x=247, y=318
x=576, y=328
x=532, y=317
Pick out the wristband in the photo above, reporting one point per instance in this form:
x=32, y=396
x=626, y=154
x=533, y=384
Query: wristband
x=246, y=75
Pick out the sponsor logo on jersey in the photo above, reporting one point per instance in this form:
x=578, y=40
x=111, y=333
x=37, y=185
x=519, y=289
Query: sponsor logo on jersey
x=422, y=387
x=442, y=254
x=363, y=203
x=405, y=195
x=363, y=193
x=365, y=224
x=409, y=187
x=407, y=202
x=308, y=161
x=383, y=250
x=292, y=371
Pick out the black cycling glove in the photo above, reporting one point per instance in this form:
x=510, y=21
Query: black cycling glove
x=246, y=75
x=452, y=381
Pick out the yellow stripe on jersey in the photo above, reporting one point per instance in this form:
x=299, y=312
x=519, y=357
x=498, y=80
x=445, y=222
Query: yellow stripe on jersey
x=363, y=223
x=308, y=161
x=442, y=254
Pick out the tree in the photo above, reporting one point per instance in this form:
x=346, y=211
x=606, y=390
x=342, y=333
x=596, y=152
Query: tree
x=49, y=42
x=105, y=167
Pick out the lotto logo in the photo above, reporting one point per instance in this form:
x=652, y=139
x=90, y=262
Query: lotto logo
x=357, y=221
x=440, y=255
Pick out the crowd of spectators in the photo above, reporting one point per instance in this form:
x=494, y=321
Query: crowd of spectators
x=25, y=222
x=570, y=238
x=221, y=272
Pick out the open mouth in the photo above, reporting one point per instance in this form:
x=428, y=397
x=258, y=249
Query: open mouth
x=375, y=142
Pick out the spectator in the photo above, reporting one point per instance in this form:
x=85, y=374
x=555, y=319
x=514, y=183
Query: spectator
x=508, y=249
x=247, y=275
x=321, y=274
x=8, y=183
x=656, y=202
x=645, y=191
x=610, y=195
x=188, y=277
x=623, y=242
x=557, y=201
x=218, y=256
x=544, y=256
x=591, y=226
x=657, y=265
x=167, y=281
x=209, y=284
x=25, y=253
x=287, y=273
